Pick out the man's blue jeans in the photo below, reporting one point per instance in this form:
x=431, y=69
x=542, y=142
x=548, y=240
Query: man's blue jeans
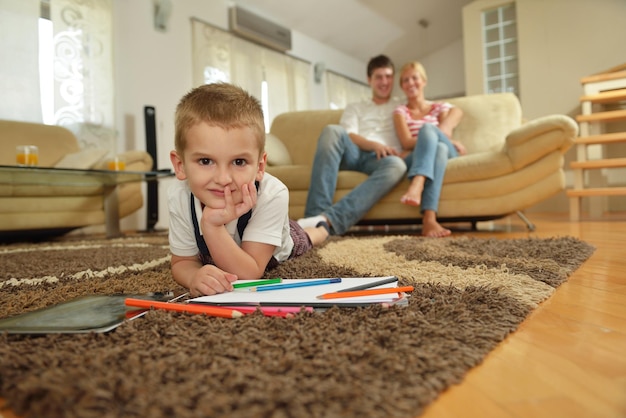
x=429, y=159
x=336, y=151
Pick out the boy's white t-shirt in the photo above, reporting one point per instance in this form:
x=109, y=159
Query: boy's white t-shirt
x=269, y=223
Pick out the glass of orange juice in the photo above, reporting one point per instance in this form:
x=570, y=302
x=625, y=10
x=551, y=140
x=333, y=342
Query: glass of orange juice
x=27, y=155
x=116, y=164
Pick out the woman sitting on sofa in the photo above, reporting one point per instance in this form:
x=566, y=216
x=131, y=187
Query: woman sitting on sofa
x=424, y=128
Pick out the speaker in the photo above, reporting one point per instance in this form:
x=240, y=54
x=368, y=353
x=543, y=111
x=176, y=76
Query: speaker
x=152, y=186
x=318, y=71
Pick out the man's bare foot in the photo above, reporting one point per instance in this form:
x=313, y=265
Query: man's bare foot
x=413, y=195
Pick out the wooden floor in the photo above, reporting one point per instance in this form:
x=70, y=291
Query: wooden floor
x=568, y=359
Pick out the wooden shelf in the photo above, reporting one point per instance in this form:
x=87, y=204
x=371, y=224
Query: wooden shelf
x=599, y=164
x=611, y=138
x=603, y=77
x=609, y=96
x=610, y=116
x=608, y=87
x=598, y=191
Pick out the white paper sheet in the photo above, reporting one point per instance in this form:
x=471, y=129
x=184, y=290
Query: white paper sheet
x=302, y=296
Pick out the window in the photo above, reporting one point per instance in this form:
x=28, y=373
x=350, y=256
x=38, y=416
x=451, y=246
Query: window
x=500, y=50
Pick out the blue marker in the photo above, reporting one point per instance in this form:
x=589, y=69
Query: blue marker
x=299, y=283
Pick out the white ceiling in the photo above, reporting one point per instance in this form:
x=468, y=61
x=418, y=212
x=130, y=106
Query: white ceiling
x=365, y=28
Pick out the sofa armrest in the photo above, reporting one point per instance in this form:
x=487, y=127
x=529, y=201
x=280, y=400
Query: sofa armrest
x=539, y=137
x=137, y=160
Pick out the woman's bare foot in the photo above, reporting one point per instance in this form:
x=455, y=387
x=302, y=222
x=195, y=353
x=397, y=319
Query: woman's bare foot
x=431, y=228
x=435, y=231
x=413, y=195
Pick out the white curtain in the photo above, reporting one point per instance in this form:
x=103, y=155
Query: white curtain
x=247, y=66
x=342, y=90
x=221, y=56
x=301, y=74
x=19, y=68
x=82, y=67
x=83, y=70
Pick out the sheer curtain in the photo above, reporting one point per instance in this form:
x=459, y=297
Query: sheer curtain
x=221, y=56
x=81, y=66
x=19, y=68
x=342, y=90
x=247, y=66
x=83, y=70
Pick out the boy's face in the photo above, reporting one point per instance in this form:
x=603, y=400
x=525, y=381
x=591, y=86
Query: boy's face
x=216, y=159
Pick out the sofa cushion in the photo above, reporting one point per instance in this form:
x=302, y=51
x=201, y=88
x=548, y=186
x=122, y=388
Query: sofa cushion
x=84, y=159
x=479, y=166
x=487, y=119
x=295, y=177
x=277, y=153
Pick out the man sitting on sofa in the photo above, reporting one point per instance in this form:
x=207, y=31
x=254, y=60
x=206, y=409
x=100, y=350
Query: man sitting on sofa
x=365, y=141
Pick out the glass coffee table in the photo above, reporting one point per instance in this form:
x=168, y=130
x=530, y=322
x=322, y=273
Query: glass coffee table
x=66, y=177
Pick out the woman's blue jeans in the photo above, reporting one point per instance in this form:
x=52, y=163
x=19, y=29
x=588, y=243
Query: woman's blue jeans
x=429, y=159
x=336, y=151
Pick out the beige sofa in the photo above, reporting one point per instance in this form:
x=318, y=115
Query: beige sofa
x=29, y=210
x=510, y=165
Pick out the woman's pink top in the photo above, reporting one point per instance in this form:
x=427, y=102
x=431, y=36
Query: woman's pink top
x=432, y=117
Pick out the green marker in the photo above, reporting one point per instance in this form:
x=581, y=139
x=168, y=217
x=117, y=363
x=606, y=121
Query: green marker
x=257, y=283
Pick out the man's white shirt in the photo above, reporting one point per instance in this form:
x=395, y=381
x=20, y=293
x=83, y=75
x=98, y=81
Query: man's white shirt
x=372, y=121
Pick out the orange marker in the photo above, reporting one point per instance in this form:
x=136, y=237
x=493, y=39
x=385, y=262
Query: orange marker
x=183, y=307
x=366, y=292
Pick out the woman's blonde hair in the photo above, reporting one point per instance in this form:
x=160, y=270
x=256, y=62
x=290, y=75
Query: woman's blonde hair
x=220, y=104
x=414, y=65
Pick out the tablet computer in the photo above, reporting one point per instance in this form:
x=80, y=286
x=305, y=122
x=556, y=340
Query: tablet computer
x=92, y=313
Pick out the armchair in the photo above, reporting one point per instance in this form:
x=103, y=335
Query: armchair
x=44, y=210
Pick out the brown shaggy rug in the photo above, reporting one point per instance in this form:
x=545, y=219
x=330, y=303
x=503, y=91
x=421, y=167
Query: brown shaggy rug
x=469, y=295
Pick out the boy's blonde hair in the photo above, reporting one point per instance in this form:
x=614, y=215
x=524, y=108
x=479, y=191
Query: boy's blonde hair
x=220, y=104
x=414, y=65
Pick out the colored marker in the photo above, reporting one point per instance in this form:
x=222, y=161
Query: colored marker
x=284, y=311
x=299, y=283
x=184, y=307
x=367, y=292
x=257, y=283
x=370, y=285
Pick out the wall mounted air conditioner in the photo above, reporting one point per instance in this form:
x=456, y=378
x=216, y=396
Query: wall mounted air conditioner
x=259, y=30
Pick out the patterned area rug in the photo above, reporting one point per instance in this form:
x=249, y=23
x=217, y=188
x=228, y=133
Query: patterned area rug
x=368, y=362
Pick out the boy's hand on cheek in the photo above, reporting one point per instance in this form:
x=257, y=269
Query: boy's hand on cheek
x=221, y=216
x=210, y=280
x=249, y=193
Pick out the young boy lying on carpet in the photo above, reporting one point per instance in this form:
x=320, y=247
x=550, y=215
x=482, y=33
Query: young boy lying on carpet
x=228, y=218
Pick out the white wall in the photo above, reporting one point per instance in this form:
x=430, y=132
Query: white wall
x=559, y=42
x=446, y=71
x=562, y=41
x=154, y=68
